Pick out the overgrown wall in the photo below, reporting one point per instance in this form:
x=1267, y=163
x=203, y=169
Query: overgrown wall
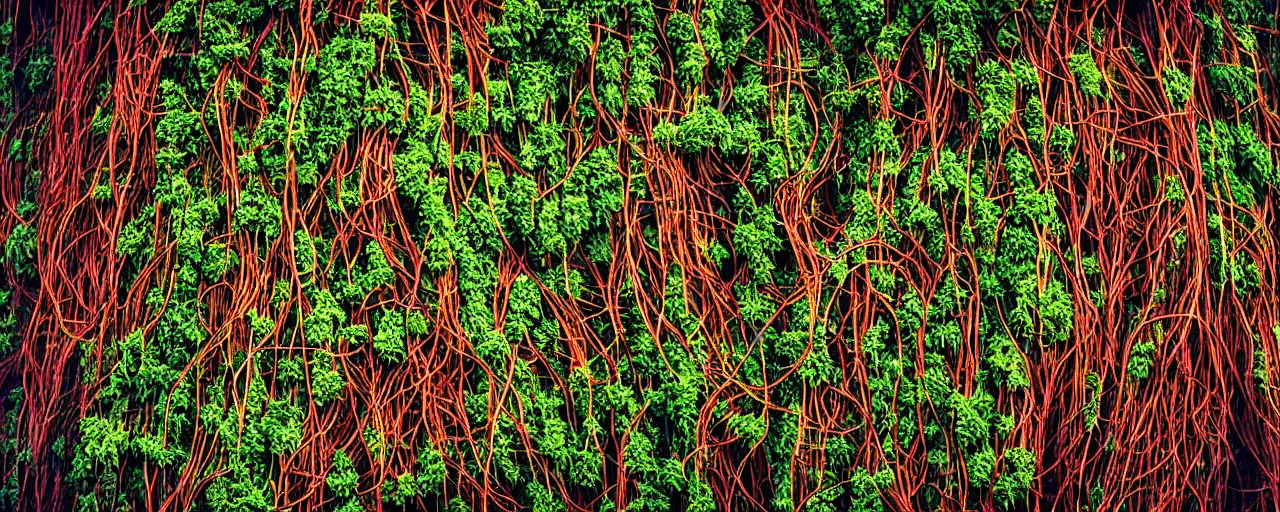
x=554, y=255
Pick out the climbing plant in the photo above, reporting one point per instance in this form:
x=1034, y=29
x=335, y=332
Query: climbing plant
x=615, y=255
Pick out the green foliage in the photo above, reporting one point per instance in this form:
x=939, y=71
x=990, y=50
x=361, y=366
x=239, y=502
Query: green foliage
x=1017, y=473
x=1141, y=357
x=102, y=442
x=1233, y=80
x=524, y=309
x=258, y=211
x=981, y=466
x=545, y=149
x=1177, y=86
x=283, y=425
x=327, y=383
x=1007, y=363
x=1091, y=409
x=6, y=80
x=691, y=57
x=1173, y=190
x=704, y=128
x=20, y=249
x=852, y=22
x=389, y=340
x=1261, y=369
x=474, y=120
x=1088, y=76
x=377, y=24
x=377, y=272
x=400, y=490
x=534, y=86
x=384, y=106
x=431, y=475
x=521, y=21
x=342, y=479
x=889, y=42
x=755, y=237
x=39, y=69
x=333, y=105
x=957, y=29
x=325, y=319
x=865, y=488
x=1057, y=312
x=972, y=416
x=996, y=90
x=261, y=326
x=665, y=133
x=1062, y=140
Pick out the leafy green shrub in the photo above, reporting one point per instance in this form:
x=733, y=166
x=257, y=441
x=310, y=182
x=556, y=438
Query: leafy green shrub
x=755, y=237
x=703, y=128
x=996, y=89
x=1233, y=80
x=327, y=383
x=1088, y=76
x=1177, y=86
x=39, y=69
x=1018, y=471
x=20, y=249
x=389, y=339
x=1140, y=359
x=342, y=479
x=258, y=211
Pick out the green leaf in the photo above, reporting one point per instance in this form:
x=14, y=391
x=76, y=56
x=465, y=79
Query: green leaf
x=389, y=341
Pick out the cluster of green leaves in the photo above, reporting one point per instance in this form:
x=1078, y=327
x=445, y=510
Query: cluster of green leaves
x=1236, y=161
x=997, y=88
x=6, y=65
x=1088, y=76
x=1177, y=86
